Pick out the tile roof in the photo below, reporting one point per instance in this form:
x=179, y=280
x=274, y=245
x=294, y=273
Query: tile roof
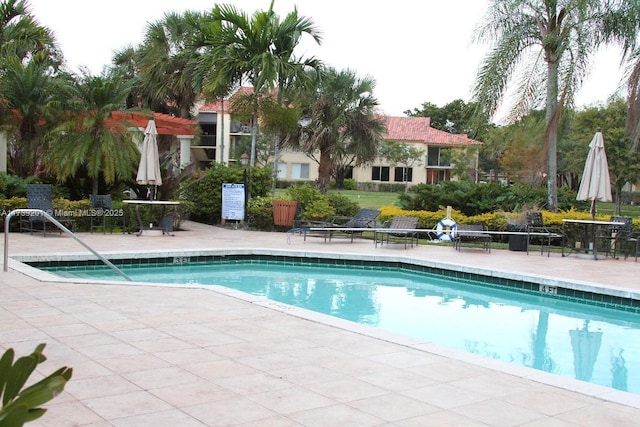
x=215, y=106
x=418, y=129
x=165, y=123
x=400, y=129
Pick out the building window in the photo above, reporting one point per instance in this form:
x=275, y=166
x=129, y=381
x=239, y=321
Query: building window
x=380, y=173
x=300, y=171
x=437, y=156
x=402, y=174
x=348, y=172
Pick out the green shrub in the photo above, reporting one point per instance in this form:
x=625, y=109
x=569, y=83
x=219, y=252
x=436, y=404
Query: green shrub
x=281, y=183
x=388, y=187
x=475, y=199
x=260, y=214
x=314, y=205
x=630, y=198
x=318, y=210
x=304, y=194
x=349, y=184
x=15, y=186
x=343, y=205
x=204, y=189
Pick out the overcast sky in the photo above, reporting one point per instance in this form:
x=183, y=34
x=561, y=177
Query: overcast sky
x=416, y=50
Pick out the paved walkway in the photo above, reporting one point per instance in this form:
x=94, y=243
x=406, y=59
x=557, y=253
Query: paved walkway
x=187, y=356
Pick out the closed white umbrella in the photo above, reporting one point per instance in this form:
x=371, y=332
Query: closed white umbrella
x=149, y=168
x=596, y=183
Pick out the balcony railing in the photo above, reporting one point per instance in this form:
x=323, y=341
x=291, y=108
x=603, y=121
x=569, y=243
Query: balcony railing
x=240, y=128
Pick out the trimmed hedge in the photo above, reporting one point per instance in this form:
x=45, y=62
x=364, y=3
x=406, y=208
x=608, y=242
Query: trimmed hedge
x=495, y=221
x=122, y=215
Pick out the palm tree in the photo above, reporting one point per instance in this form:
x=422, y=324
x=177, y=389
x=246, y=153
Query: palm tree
x=633, y=100
x=125, y=63
x=339, y=117
x=258, y=50
x=30, y=92
x=166, y=62
x=547, y=44
x=90, y=139
x=28, y=58
x=21, y=35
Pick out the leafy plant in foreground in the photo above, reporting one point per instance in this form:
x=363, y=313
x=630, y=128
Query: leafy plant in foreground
x=20, y=406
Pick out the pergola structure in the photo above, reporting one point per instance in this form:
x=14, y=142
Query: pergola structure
x=165, y=123
x=183, y=129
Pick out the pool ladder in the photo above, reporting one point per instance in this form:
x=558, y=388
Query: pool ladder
x=57, y=223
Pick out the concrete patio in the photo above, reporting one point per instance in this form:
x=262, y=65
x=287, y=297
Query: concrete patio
x=150, y=355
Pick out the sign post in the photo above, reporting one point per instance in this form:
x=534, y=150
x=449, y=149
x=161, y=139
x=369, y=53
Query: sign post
x=233, y=203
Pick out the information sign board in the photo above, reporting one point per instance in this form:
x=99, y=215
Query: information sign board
x=233, y=202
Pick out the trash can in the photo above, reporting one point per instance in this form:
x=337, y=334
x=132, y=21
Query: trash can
x=517, y=242
x=284, y=212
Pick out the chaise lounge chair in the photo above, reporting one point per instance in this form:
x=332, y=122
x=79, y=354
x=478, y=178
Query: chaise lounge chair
x=365, y=219
x=472, y=234
x=402, y=227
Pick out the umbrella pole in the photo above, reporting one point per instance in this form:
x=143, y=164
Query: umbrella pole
x=593, y=209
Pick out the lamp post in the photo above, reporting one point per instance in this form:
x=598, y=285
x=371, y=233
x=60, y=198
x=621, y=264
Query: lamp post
x=244, y=160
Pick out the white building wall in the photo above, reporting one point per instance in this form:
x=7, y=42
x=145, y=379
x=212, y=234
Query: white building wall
x=289, y=158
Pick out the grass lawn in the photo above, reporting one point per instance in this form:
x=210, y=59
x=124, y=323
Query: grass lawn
x=370, y=199
x=607, y=208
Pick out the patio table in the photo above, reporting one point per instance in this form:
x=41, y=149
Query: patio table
x=591, y=229
x=151, y=203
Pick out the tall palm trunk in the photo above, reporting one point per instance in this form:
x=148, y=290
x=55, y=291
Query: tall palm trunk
x=324, y=171
x=551, y=134
x=276, y=144
x=254, y=139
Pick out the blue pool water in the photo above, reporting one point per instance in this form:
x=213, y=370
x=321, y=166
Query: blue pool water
x=587, y=342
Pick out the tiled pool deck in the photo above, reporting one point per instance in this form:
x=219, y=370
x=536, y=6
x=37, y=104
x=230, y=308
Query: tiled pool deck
x=186, y=356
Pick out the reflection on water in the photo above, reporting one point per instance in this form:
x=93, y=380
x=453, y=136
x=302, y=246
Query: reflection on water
x=569, y=339
x=586, y=346
x=618, y=371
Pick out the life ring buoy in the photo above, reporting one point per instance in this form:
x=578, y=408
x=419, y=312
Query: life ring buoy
x=445, y=229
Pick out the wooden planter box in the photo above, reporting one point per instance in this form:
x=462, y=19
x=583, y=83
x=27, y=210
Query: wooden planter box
x=284, y=212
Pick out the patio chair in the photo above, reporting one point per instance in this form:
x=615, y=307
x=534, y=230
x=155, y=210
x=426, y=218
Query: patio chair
x=536, y=229
x=473, y=234
x=351, y=226
x=100, y=203
x=616, y=237
x=38, y=197
x=406, y=226
x=632, y=240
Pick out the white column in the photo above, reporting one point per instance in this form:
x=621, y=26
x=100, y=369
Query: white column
x=185, y=150
x=3, y=152
x=137, y=136
x=223, y=130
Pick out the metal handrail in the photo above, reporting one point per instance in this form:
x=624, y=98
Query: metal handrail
x=61, y=227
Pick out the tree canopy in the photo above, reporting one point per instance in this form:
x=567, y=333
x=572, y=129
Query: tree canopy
x=339, y=119
x=545, y=47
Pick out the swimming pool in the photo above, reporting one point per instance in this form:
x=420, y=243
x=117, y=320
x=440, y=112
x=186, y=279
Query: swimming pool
x=553, y=332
